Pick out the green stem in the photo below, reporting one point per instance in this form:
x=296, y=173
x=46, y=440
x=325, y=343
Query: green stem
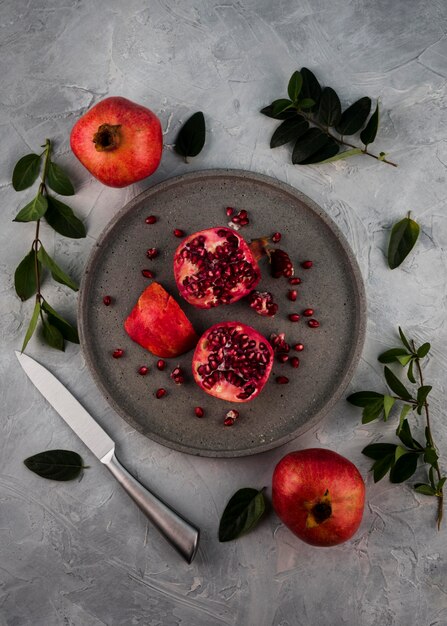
x=36, y=242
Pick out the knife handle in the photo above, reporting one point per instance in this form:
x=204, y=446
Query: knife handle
x=182, y=535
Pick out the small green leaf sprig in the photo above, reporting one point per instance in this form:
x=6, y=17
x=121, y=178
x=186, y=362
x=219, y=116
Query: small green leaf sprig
x=404, y=235
x=401, y=459
x=29, y=273
x=191, y=137
x=242, y=513
x=60, y=465
x=313, y=120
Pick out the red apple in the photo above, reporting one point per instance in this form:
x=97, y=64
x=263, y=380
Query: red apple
x=118, y=141
x=319, y=495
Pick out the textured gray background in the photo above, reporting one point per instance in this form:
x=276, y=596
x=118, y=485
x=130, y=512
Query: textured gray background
x=81, y=553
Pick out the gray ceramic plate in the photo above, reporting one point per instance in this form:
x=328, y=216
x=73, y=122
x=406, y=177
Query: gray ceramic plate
x=333, y=287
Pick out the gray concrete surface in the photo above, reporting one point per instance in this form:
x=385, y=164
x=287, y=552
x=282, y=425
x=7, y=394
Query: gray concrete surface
x=80, y=554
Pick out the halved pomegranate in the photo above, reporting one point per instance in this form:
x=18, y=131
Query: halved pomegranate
x=158, y=324
x=232, y=361
x=215, y=266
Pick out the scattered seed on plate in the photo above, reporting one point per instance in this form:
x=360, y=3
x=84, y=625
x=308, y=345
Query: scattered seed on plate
x=292, y=294
x=308, y=312
x=276, y=237
x=299, y=347
x=160, y=393
x=313, y=323
x=118, y=353
x=306, y=265
x=148, y=273
x=199, y=411
x=151, y=219
x=161, y=364
x=294, y=317
x=143, y=370
x=178, y=232
x=282, y=358
x=229, y=211
x=107, y=300
x=151, y=253
x=295, y=362
x=282, y=380
x=295, y=280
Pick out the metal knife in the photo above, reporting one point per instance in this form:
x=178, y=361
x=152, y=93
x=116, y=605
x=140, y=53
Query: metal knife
x=180, y=533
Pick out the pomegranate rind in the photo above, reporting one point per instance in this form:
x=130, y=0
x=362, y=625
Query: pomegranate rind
x=184, y=269
x=222, y=388
x=159, y=325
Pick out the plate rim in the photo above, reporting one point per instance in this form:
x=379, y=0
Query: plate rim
x=361, y=306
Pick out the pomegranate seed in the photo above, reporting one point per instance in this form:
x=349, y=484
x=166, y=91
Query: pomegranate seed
x=161, y=364
x=280, y=264
x=313, y=323
x=308, y=312
x=199, y=411
x=243, y=214
x=292, y=294
x=177, y=376
x=295, y=362
x=229, y=211
x=151, y=219
x=244, y=221
x=107, y=300
x=160, y=393
x=228, y=421
x=143, y=370
x=282, y=358
x=151, y=253
x=282, y=380
x=232, y=414
x=118, y=353
x=276, y=237
x=294, y=317
x=179, y=233
x=148, y=273
x=298, y=347
x=262, y=302
x=279, y=343
x=236, y=219
x=295, y=280
x=306, y=265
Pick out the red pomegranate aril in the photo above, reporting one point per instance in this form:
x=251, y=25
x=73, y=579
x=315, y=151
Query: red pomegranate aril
x=228, y=421
x=244, y=221
x=294, y=317
x=243, y=214
x=295, y=280
x=298, y=347
x=118, y=353
x=282, y=380
x=151, y=219
x=282, y=358
x=148, y=273
x=292, y=295
x=151, y=253
x=178, y=376
x=199, y=411
x=229, y=211
x=235, y=219
x=313, y=323
x=232, y=414
x=276, y=237
x=295, y=362
x=306, y=265
x=279, y=343
x=262, y=302
x=143, y=370
x=280, y=264
x=161, y=364
x=308, y=312
x=160, y=393
x=178, y=232
x=107, y=300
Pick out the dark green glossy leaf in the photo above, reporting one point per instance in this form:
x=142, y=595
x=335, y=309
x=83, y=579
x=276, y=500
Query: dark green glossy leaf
x=280, y=106
x=379, y=450
x=389, y=356
x=61, y=217
x=404, y=467
x=423, y=350
x=58, y=180
x=52, y=336
x=404, y=340
x=311, y=88
x=241, y=514
x=284, y=115
x=308, y=144
x=26, y=172
x=294, y=86
x=395, y=384
x=57, y=273
x=369, y=133
x=25, y=277
x=423, y=393
x=329, y=111
x=32, y=325
x=372, y=411
x=381, y=467
x=55, y=464
x=306, y=103
x=427, y=490
x=404, y=434
x=67, y=331
x=289, y=130
x=402, y=240
x=191, y=137
x=410, y=374
x=388, y=403
x=430, y=456
x=354, y=118
x=325, y=155
x=34, y=210
x=364, y=398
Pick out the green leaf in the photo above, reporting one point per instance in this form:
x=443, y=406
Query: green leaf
x=191, y=137
x=53, y=336
x=55, y=464
x=306, y=103
x=404, y=340
x=364, y=398
x=372, y=411
x=404, y=360
x=388, y=403
x=355, y=116
x=379, y=450
x=281, y=105
x=400, y=451
x=389, y=356
x=440, y=484
x=241, y=514
x=423, y=393
x=329, y=112
x=25, y=277
x=403, y=237
x=34, y=210
x=410, y=374
x=289, y=130
x=403, y=414
x=325, y=154
x=395, y=384
x=32, y=325
x=308, y=144
x=404, y=467
x=26, y=171
x=59, y=181
x=369, y=133
x=294, y=87
x=423, y=350
x=427, y=490
x=57, y=273
x=286, y=114
x=311, y=88
x=404, y=434
x=430, y=456
x=342, y=155
x=381, y=467
x=61, y=217
x=67, y=331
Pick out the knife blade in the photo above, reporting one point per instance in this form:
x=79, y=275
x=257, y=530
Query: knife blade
x=180, y=533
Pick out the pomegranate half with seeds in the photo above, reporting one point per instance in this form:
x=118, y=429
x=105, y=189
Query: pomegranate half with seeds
x=215, y=266
x=232, y=361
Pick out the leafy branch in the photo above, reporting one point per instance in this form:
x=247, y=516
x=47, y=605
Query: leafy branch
x=401, y=460
x=314, y=121
x=29, y=274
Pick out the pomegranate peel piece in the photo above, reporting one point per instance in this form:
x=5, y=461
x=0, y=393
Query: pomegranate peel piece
x=158, y=324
